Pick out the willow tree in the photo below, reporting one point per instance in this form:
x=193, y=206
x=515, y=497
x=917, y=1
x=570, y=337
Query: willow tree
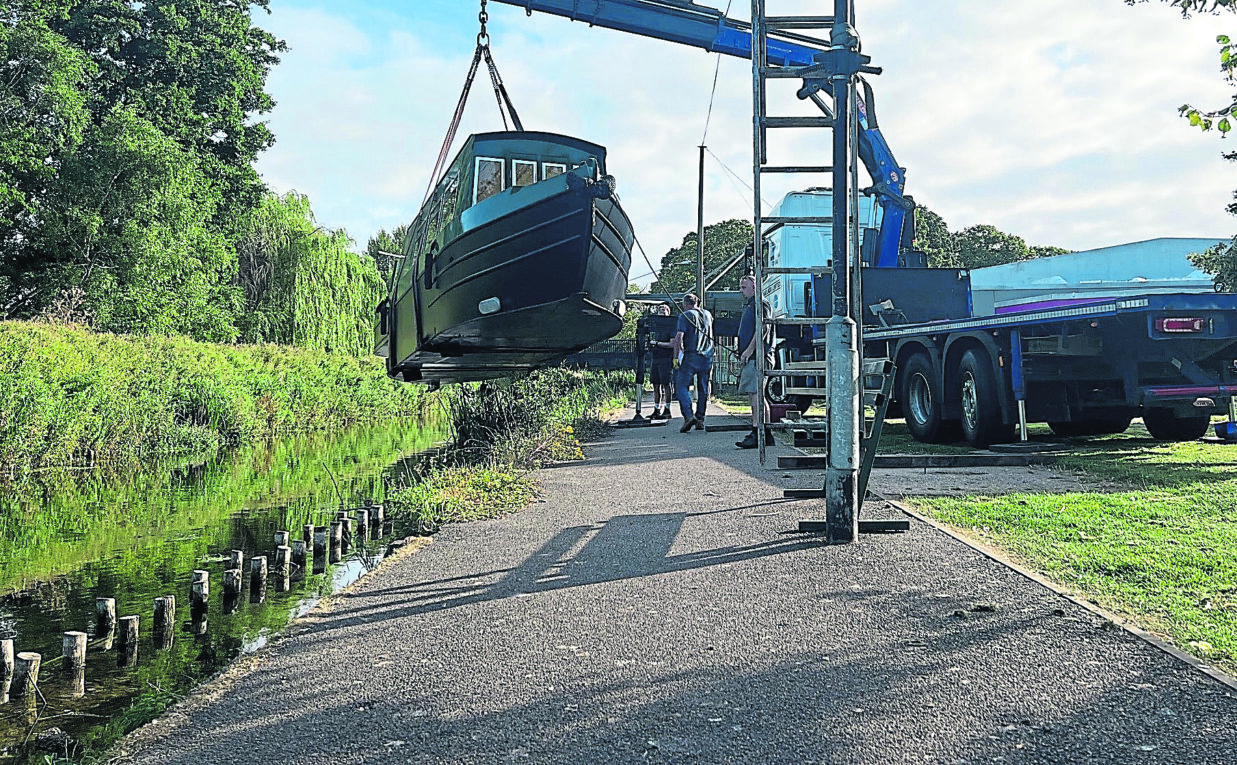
x=302, y=283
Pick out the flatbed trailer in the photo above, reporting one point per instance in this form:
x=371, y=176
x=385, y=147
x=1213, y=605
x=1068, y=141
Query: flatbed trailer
x=1085, y=368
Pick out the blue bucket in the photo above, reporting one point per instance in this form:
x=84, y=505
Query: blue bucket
x=1226, y=431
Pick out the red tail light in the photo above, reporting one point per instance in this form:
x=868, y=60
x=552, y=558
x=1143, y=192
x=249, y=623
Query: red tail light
x=1180, y=325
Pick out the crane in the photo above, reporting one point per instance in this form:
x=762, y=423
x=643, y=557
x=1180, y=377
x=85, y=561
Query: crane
x=686, y=23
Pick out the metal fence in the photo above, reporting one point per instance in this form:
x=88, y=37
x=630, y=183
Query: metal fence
x=621, y=354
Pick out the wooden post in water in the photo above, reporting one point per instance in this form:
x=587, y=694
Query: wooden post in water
x=377, y=518
x=199, y=597
x=307, y=534
x=319, y=549
x=26, y=673
x=282, y=539
x=337, y=541
x=236, y=559
x=257, y=579
x=105, y=617
x=231, y=590
x=73, y=649
x=165, y=613
x=128, y=631
x=77, y=683
x=6, y=669
x=283, y=568
x=165, y=621
x=348, y=534
x=232, y=582
x=362, y=523
x=298, y=554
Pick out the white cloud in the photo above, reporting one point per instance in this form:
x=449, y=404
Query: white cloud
x=1054, y=120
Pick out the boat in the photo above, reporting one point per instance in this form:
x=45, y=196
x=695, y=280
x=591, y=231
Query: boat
x=518, y=258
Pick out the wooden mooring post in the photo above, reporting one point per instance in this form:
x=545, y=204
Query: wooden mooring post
x=165, y=621
x=337, y=541
x=257, y=579
x=363, y=523
x=6, y=659
x=236, y=559
x=199, y=593
x=73, y=649
x=298, y=554
x=26, y=674
x=283, y=568
x=282, y=539
x=105, y=618
x=320, y=533
x=377, y=517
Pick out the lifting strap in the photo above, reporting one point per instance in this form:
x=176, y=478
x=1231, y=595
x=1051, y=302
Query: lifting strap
x=505, y=106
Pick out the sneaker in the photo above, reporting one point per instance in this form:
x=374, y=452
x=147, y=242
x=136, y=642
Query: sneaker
x=687, y=424
x=700, y=424
x=749, y=441
x=665, y=414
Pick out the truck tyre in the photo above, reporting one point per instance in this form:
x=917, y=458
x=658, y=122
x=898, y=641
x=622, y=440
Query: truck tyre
x=1164, y=425
x=1092, y=426
x=982, y=423
x=920, y=399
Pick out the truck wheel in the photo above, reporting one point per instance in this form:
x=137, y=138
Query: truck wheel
x=982, y=423
x=920, y=399
x=1165, y=425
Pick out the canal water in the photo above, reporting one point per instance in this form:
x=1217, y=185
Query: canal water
x=67, y=538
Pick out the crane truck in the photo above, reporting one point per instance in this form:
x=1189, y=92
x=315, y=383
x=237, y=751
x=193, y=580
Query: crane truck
x=1086, y=364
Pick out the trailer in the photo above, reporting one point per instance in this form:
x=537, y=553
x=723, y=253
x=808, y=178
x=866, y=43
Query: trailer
x=1084, y=342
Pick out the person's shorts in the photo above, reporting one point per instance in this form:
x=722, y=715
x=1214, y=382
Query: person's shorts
x=660, y=372
x=749, y=379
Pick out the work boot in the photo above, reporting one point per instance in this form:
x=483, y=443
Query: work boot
x=687, y=424
x=750, y=441
x=700, y=424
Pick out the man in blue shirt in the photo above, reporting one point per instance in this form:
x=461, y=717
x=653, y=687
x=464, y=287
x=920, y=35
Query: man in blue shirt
x=693, y=338
x=749, y=377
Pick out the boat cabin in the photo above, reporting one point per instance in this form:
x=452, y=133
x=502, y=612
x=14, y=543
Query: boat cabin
x=488, y=165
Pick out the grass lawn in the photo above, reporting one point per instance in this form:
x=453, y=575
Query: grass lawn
x=1160, y=552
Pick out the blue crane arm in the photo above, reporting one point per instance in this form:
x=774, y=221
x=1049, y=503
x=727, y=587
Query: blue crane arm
x=684, y=22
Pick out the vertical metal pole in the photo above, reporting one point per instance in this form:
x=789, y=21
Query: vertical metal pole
x=700, y=233
x=759, y=60
x=841, y=337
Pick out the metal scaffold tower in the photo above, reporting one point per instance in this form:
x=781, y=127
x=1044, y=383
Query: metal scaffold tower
x=834, y=71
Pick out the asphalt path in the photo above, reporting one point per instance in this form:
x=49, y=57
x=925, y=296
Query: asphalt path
x=657, y=606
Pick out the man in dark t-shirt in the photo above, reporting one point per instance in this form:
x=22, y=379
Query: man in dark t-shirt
x=749, y=377
x=660, y=372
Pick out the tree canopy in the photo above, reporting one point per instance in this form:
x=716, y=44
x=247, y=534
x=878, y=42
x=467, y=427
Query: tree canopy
x=722, y=243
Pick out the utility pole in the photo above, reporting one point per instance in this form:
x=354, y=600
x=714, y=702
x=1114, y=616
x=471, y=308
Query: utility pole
x=700, y=286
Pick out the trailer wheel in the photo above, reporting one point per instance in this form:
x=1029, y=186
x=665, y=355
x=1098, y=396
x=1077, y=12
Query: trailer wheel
x=1165, y=425
x=982, y=423
x=921, y=402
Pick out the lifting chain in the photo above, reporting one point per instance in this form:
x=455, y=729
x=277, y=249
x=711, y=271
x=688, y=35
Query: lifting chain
x=483, y=37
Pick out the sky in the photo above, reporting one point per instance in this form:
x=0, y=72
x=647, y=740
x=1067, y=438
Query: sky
x=1055, y=120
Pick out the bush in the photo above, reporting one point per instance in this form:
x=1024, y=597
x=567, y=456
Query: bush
x=69, y=396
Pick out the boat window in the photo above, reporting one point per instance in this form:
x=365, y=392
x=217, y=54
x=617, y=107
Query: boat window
x=524, y=172
x=489, y=178
x=551, y=169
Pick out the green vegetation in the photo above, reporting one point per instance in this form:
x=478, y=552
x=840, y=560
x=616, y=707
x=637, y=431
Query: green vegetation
x=69, y=396
x=501, y=430
x=972, y=247
x=1158, y=549
x=722, y=242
